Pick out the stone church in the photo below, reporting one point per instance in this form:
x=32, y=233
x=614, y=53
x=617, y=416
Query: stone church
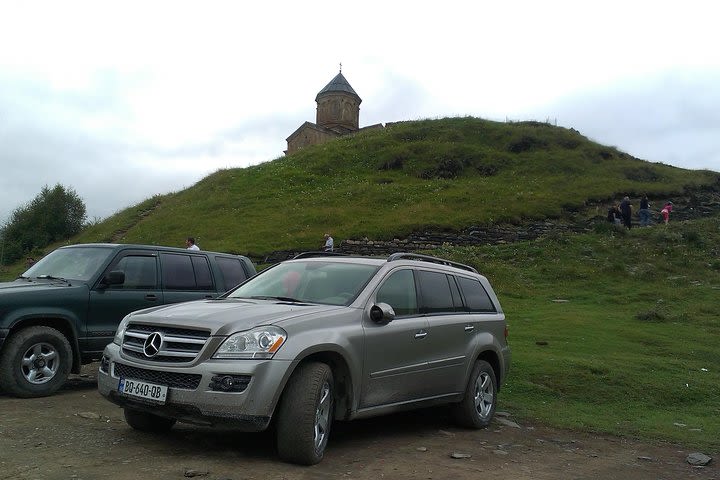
x=338, y=114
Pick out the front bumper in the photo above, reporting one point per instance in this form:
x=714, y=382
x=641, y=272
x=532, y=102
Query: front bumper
x=249, y=410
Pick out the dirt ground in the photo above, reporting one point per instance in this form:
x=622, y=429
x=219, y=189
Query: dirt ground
x=76, y=434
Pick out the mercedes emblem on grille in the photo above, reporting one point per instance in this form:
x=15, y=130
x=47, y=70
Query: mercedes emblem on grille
x=152, y=344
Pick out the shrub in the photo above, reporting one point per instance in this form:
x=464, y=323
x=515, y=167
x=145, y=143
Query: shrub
x=525, y=143
x=652, y=315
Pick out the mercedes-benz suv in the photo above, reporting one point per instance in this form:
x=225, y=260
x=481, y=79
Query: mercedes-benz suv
x=313, y=340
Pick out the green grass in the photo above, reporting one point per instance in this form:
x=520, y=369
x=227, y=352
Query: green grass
x=632, y=349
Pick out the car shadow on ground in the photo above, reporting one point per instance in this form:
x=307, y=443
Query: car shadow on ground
x=219, y=444
x=80, y=382
x=72, y=384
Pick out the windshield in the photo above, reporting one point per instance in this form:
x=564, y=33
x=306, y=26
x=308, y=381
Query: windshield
x=332, y=283
x=70, y=263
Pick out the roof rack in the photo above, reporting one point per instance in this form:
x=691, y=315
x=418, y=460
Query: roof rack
x=319, y=254
x=428, y=258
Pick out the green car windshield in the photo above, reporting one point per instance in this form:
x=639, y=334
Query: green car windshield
x=332, y=283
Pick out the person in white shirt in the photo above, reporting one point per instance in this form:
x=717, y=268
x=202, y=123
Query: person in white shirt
x=190, y=244
x=329, y=243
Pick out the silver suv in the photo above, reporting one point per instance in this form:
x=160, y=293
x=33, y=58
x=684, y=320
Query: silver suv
x=312, y=340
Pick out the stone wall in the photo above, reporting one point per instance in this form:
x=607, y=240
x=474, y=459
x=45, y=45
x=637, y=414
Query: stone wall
x=693, y=203
x=494, y=234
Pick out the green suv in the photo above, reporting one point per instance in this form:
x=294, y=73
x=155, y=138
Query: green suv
x=62, y=312
x=313, y=340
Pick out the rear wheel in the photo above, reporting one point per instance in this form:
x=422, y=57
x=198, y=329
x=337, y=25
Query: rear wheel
x=147, y=422
x=480, y=399
x=305, y=414
x=35, y=362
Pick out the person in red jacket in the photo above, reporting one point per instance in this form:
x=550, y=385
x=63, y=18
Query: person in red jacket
x=666, y=211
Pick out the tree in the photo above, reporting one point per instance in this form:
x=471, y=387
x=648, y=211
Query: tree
x=53, y=215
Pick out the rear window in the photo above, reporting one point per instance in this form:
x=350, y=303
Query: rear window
x=185, y=272
x=476, y=298
x=435, y=292
x=231, y=270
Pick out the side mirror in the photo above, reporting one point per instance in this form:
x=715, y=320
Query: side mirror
x=382, y=313
x=116, y=277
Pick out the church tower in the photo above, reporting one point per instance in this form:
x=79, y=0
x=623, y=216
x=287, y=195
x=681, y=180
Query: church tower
x=338, y=106
x=338, y=114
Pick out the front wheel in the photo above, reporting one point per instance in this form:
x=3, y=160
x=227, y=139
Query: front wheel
x=305, y=415
x=147, y=422
x=35, y=362
x=480, y=399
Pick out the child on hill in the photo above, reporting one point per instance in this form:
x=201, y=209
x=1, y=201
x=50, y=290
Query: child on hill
x=666, y=211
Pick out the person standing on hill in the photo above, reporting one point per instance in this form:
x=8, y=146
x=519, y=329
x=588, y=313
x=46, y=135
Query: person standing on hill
x=666, y=212
x=626, y=210
x=614, y=216
x=190, y=244
x=644, y=211
x=329, y=243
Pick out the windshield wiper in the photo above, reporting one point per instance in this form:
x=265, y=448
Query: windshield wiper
x=282, y=299
x=51, y=277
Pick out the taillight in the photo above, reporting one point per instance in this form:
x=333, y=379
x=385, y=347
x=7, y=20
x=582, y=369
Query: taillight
x=506, y=332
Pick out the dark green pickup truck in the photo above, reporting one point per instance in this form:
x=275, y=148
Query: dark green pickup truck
x=62, y=312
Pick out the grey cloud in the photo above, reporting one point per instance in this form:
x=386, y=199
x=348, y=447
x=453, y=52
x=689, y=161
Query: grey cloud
x=673, y=118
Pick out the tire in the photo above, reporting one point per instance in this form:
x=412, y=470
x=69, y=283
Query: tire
x=35, y=362
x=305, y=415
x=478, y=405
x=147, y=422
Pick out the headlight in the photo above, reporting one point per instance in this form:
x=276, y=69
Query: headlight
x=121, y=331
x=261, y=342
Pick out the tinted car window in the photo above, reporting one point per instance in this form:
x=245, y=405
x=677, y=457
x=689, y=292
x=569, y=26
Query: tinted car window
x=398, y=291
x=476, y=298
x=203, y=278
x=232, y=271
x=457, y=299
x=140, y=272
x=434, y=292
x=177, y=272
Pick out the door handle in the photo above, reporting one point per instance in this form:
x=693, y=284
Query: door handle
x=151, y=297
x=209, y=296
x=421, y=334
x=469, y=328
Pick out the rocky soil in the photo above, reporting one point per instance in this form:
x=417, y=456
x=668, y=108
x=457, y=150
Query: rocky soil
x=76, y=434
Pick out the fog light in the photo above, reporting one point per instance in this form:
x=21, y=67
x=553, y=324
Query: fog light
x=229, y=383
x=105, y=364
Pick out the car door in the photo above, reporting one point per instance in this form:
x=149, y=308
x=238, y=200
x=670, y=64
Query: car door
x=186, y=277
x=451, y=332
x=108, y=304
x=394, y=358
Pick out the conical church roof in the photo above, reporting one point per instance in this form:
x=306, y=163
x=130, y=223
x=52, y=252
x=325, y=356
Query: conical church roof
x=338, y=84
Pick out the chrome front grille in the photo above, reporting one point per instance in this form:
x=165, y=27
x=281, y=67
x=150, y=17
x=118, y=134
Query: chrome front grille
x=163, y=344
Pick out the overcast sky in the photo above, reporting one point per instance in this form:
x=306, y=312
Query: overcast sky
x=125, y=100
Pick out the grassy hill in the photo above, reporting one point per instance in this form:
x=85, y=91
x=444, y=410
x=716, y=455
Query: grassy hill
x=433, y=174
x=612, y=330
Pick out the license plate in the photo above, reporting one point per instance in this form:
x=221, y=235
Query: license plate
x=148, y=391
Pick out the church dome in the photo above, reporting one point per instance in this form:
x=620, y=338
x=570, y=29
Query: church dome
x=338, y=85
